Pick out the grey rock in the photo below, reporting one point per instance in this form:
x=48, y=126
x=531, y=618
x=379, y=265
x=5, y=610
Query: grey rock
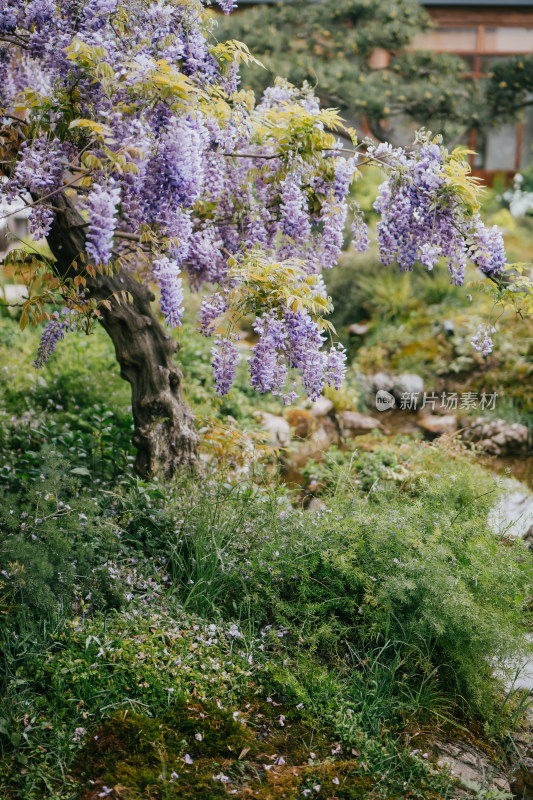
x=321, y=407
x=316, y=505
x=408, y=384
x=358, y=329
x=448, y=327
x=498, y=437
x=316, y=445
x=469, y=764
x=381, y=381
x=528, y=537
x=522, y=779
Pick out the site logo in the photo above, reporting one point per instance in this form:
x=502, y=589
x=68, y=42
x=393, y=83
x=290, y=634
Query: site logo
x=384, y=400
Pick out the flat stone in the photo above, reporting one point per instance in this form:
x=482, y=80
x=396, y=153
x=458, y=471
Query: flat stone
x=355, y=424
x=470, y=764
x=437, y=425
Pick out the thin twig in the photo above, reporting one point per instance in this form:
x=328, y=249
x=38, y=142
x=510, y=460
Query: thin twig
x=45, y=197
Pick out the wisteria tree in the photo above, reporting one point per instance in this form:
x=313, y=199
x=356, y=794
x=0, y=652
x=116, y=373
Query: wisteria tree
x=125, y=133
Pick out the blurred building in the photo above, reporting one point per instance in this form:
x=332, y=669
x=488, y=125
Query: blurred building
x=483, y=33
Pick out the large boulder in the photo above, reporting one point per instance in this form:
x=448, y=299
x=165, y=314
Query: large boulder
x=381, y=381
x=468, y=763
x=301, y=421
x=324, y=435
x=498, y=437
x=396, y=385
x=277, y=428
x=410, y=384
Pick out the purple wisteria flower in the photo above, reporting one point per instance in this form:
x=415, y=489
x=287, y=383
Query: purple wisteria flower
x=224, y=363
x=268, y=368
x=167, y=274
x=38, y=172
x=295, y=222
x=335, y=366
x=52, y=334
x=102, y=202
x=487, y=249
x=482, y=341
x=227, y=5
x=360, y=238
x=212, y=307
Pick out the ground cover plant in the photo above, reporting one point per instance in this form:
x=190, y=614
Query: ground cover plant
x=148, y=628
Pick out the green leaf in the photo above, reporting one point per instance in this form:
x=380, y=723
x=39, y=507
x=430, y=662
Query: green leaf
x=81, y=471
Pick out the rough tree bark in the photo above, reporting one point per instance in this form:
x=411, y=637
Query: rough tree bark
x=164, y=435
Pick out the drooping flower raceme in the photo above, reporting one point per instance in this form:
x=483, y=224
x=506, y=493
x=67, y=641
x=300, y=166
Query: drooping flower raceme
x=102, y=203
x=135, y=107
x=224, y=363
x=425, y=218
x=52, y=334
x=168, y=276
x=482, y=341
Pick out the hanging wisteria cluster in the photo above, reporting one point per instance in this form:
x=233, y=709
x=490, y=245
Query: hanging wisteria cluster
x=427, y=207
x=177, y=172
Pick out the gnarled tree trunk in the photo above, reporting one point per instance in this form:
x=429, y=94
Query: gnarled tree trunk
x=165, y=436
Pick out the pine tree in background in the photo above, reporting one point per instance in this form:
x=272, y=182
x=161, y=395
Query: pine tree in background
x=357, y=55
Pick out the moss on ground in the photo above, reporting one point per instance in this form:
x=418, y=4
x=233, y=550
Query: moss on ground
x=200, y=751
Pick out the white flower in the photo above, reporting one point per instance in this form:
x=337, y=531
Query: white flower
x=105, y=791
x=198, y=737
x=336, y=781
x=187, y=759
x=78, y=734
x=222, y=778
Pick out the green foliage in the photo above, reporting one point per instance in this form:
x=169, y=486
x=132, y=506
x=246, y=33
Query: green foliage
x=510, y=84
x=417, y=548
x=54, y=544
x=330, y=45
x=140, y=606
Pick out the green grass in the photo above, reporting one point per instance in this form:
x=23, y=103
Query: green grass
x=131, y=608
